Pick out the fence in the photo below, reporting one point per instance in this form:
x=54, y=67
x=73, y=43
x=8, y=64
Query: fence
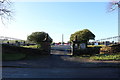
x=111, y=40
x=5, y=40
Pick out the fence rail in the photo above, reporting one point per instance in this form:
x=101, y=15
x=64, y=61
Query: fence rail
x=115, y=39
x=109, y=40
x=3, y=38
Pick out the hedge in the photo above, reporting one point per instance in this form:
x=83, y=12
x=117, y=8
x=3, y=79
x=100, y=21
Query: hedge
x=16, y=49
x=88, y=51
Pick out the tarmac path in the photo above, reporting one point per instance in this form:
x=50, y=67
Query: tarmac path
x=59, y=65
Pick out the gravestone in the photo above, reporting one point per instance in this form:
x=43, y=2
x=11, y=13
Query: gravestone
x=82, y=46
x=107, y=43
x=96, y=43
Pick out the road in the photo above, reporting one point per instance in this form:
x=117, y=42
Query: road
x=58, y=65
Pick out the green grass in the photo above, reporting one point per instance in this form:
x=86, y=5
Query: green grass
x=31, y=46
x=83, y=56
x=95, y=45
x=106, y=57
x=13, y=56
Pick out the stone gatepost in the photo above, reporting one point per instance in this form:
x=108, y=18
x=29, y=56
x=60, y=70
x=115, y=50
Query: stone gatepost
x=46, y=44
x=75, y=46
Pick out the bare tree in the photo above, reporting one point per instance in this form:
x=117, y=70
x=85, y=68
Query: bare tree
x=113, y=5
x=5, y=12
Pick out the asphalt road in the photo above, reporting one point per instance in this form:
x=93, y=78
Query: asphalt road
x=58, y=65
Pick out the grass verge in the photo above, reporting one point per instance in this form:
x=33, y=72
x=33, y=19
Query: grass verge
x=102, y=57
x=106, y=57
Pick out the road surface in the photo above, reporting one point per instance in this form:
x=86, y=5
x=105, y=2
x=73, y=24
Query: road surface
x=58, y=65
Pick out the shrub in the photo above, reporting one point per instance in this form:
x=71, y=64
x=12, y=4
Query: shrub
x=88, y=51
x=110, y=49
x=15, y=49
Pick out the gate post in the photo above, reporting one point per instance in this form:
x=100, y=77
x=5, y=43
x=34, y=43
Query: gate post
x=47, y=44
x=75, y=46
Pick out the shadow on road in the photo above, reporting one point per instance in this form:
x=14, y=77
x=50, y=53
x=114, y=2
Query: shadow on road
x=57, y=65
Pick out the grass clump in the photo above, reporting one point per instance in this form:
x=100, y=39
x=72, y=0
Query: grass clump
x=31, y=46
x=106, y=57
x=95, y=45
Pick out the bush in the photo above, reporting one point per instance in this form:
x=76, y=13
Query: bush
x=88, y=51
x=110, y=49
x=15, y=49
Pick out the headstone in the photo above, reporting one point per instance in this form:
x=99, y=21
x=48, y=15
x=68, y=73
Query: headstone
x=82, y=45
x=96, y=43
x=107, y=43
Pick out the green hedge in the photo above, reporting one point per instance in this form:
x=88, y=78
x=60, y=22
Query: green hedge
x=88, y=51
x=11, y=52
x=16, y=49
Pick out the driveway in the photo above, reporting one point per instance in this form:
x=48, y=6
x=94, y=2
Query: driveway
x=60, y=65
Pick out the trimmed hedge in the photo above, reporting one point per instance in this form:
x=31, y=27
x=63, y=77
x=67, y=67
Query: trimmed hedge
x=16, y=49
x=88, y=51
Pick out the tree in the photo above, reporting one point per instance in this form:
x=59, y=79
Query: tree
x=113, y=5
x=83, y=36
x=5, y=12
x=39, y=38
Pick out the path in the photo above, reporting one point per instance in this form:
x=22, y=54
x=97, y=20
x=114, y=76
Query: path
x=57, y=66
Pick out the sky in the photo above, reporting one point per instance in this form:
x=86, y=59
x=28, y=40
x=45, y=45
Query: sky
x=57, y=18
